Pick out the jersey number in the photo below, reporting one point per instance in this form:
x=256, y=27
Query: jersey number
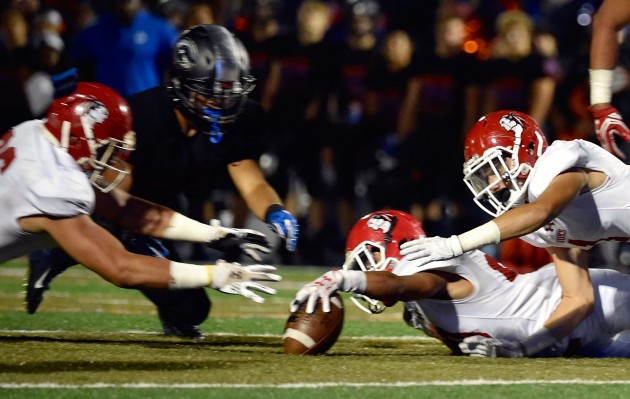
x=7, y=154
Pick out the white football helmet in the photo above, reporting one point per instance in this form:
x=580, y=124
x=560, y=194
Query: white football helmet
x=500, y=151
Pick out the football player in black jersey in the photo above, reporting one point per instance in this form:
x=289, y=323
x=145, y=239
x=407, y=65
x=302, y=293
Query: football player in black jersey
x=188, y=131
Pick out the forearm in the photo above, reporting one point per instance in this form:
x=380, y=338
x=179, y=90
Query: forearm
x=611, y=17
x=260, y=198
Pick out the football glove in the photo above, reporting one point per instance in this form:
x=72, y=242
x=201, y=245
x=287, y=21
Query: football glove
x=480, y=346
x=232, y=278
x=429, y=249
x=283, y=224
x=321, y=288
x=251, y=242
x=608, y=123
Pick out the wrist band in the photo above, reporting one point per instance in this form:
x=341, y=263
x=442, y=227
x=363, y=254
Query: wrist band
x=600, y=84
x=185, y=275
x=186, y=229
x=488, y=233
x=353, y=281
x=273, y=208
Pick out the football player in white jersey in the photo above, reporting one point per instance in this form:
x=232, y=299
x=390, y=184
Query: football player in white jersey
x=611, y=17
x=55, y=172
x=472, y=303
x=565, y=197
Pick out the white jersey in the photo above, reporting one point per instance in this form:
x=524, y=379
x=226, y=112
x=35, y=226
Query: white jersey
x=36, y=178
x=600, y=215
x=511, y=306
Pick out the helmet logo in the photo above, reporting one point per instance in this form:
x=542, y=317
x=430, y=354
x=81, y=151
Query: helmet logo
x=380, y=222
x=512, y=123
x=97, y=113
x=186, y=54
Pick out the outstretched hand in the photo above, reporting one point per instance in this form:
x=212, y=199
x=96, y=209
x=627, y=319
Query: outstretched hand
x=321, y=288
x=429, y=249
x=251, y=242
x=232, y=278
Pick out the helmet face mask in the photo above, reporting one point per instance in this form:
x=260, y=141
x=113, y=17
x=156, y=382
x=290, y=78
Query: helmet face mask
x=210, y=78
x=93, y=124
x=500, y=152
x=374, y=245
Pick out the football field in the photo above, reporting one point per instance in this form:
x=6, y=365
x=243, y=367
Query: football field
x=92, y=340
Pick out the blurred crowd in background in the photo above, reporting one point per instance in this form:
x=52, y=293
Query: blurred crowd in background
x=367, y=101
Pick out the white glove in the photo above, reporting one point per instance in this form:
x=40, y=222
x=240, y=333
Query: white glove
x=232, y=278
x=251, y=242
x=323, y=287
x=480, y=346
x=429, y=249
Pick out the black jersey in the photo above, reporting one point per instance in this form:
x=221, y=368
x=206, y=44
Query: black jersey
x=166, y=161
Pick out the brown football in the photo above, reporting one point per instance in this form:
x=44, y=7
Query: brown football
x=313, y=333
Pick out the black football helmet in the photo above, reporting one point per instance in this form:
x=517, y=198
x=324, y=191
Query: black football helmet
x=210, y=78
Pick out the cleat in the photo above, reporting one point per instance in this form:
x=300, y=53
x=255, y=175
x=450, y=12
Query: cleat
x=44, y=266
x=181, y=330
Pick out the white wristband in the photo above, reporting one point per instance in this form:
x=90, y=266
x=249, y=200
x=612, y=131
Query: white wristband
x=353, y=281
x=186, y=229
x=488, y=233
x=600, y=83
x=538, y=341
x=185, y=275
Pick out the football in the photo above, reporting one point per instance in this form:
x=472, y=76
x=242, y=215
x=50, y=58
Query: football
x=313, y=333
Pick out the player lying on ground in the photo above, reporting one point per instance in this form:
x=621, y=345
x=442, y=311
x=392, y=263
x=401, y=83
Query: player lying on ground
x=565, y=197
x=54, y=173
x=472, y=303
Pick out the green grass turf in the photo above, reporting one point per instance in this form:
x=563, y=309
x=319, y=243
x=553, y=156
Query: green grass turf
x=93, y=340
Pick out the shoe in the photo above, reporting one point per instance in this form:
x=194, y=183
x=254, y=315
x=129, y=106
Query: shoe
x=38, y=279
x=181, y=330
x=43, y=266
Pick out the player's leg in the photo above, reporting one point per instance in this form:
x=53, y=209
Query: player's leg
x=180, y=312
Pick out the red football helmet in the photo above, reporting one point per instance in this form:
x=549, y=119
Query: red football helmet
x=500, y=151
x=374, y=244
x=94, y=125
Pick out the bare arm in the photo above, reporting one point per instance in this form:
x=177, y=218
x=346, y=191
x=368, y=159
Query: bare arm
x=528, y=218
x=99, y=251
x=541, y=98
x=253, y=187
x=577, y=291
x=611, y=17
x=390, y=288
x=133, y=213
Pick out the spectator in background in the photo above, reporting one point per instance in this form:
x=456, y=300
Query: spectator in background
x=297, y=86
x=198, y=13
x=517, y=73
x=15, y=58
x=127, y=48
x=377, y=151
x=440, y=103
x=610, y=19
x=354, y=56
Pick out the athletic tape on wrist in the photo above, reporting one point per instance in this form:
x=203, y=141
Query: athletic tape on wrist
x=186, y=229
x=476, y=238
x=600, y=84
x=353, y=281
x=185, y=275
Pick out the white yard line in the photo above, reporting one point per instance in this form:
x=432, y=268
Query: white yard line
x=317, y=385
